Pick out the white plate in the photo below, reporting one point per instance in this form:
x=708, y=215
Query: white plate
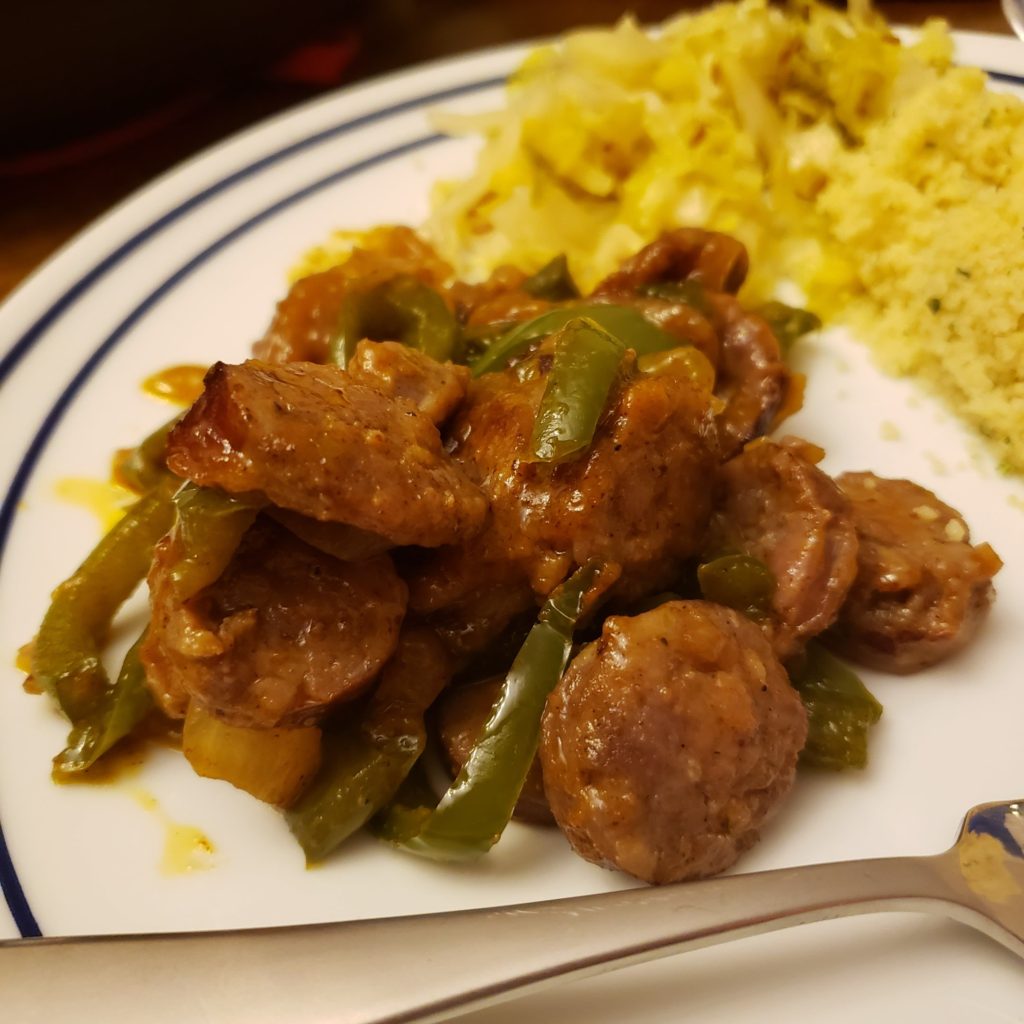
x=188, y=271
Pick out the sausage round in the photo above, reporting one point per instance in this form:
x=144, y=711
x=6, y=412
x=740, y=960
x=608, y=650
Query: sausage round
x=773, y=503
x=753, y=380
x=921, y=589
x=670, y=741
x=285, y=632
x=318, y=442
x=637, y=498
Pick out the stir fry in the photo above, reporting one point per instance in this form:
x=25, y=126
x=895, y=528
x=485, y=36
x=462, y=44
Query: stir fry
x=539, y=538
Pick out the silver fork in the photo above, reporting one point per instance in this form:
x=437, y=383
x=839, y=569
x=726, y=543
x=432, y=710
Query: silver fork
x=1013, y=10
x=435, y=966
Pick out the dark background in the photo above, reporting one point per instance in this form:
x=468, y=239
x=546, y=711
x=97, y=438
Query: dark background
x=99, y=96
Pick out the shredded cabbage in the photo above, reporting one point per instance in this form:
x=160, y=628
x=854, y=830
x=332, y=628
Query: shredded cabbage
x=730, y=118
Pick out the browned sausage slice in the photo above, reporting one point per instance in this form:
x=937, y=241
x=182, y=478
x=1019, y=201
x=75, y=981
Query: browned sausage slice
x=773, y=503
x=435, y=389
x=922, y=589
x=319, y=443
x=286, y=632
x=753, y=380
x=638, y=498
x=670, y=741
x=716, y=261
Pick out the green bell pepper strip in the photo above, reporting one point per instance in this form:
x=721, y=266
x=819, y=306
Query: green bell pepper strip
x=627, y=324
x=413, y=803
x=209, y=527
x=66, y=658
x=402, y=309
x=476, y=339
x=840, y=711
x=788, y=323
x=553, y=281
x=741, y=582
x=366, y=762
x=358, y=776
x=143, y=467
x=473, y=813
x=586, y=363
x=118, y=712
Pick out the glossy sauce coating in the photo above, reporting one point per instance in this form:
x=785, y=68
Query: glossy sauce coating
x=181, y=385
x=637, y=499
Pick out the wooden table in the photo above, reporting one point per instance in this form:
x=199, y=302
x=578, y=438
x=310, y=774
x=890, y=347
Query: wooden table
x=44, y=202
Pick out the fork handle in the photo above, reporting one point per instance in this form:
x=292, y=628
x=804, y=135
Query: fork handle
x=432, y=967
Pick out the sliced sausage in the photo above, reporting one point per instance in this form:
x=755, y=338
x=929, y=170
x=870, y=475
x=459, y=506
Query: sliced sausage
x=753, y=380
x=670, y=741
x=286, y=632
x=922, y=589
x=773, y=503
x=716, y=261
x=315, y=441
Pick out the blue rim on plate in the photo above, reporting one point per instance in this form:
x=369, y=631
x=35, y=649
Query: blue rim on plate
x=13, y=891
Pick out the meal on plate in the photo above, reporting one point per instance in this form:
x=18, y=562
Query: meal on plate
x=423, y=498
x=538, y=527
